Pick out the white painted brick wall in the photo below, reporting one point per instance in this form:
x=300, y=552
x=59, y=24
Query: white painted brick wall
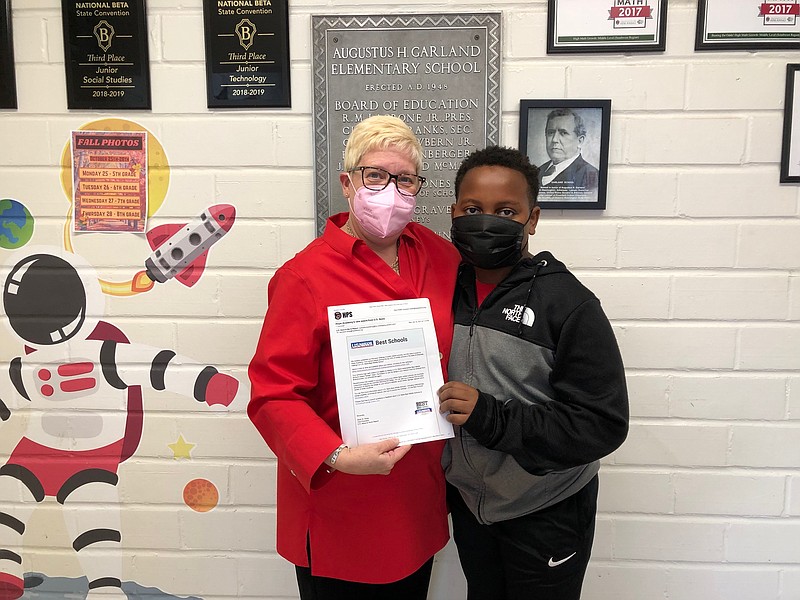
x=742, y=396
x=696, y=261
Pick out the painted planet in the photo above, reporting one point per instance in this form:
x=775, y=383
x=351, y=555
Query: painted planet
x=16, y=224
x=200, y=495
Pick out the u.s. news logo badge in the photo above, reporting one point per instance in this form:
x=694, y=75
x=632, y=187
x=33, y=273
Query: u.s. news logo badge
x=362, y=344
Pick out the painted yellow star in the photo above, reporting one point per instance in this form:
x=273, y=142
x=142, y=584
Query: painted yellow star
x=181, y=448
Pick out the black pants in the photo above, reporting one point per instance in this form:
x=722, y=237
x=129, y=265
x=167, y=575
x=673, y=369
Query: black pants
x=413, y=587
x=540, y=556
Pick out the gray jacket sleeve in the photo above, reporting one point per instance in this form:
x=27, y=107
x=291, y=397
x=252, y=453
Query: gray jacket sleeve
x=587, y=419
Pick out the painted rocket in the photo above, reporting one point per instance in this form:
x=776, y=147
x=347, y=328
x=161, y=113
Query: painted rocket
x=180, y=251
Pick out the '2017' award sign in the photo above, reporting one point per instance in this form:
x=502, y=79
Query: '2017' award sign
x=748, y=25
x=247, y=53
x=105, y=54
x=606, y=26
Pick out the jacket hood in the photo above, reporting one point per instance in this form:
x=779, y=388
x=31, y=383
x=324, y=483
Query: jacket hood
x=543, y=263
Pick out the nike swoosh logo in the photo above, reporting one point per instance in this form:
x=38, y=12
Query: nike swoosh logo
x=555, y=563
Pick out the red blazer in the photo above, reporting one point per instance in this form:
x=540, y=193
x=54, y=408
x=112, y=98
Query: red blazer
x=367, y=528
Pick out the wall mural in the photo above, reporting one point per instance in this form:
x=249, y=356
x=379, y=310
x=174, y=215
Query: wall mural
x=16, y=224
x=77, y=382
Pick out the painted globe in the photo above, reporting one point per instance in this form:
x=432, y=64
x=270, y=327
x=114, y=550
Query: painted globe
x=16, y=224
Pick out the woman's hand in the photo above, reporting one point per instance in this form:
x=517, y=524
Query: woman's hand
x=459, y=400
x=371, y=459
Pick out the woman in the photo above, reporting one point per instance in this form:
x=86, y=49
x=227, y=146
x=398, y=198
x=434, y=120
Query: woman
x=359, y=522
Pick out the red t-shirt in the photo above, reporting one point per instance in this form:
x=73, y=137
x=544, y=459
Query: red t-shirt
x=367, y=528
x=483, y=289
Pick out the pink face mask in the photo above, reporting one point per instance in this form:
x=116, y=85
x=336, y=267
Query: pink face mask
x=383, y=214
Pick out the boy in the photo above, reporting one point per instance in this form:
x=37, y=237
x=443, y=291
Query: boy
x=537, y=392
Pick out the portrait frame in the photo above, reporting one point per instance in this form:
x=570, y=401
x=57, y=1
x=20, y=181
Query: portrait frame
x=720, y=27
x=790, y=152
x=629, y=33
x=572, y=187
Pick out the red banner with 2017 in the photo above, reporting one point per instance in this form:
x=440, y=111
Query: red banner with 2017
x=621, y=12
x=782, y=8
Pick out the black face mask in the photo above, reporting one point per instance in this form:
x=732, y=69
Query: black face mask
x=488, y=241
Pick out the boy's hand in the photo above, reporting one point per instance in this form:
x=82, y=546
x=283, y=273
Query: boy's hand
x=459, y=399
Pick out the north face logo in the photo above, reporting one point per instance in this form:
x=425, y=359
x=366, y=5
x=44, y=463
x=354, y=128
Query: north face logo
x=519, y=312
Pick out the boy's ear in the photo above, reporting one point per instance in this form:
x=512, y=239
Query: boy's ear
x=533, y=220
x=452, y=210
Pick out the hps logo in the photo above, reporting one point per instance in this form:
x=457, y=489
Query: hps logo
x=342, y=315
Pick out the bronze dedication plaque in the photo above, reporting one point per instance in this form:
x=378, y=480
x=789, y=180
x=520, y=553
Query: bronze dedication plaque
x=440, y=73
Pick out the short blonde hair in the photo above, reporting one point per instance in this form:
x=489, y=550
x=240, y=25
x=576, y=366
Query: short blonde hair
x=381, y=132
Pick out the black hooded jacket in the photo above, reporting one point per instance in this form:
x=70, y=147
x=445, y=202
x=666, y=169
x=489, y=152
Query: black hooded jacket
x=553, y=399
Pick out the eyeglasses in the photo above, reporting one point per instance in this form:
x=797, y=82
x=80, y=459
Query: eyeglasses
x=376, y=179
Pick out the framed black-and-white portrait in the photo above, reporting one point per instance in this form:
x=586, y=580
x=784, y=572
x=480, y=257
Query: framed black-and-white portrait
x=568, y=141
x=790, y=155
x=606, y=26
x=748, y=25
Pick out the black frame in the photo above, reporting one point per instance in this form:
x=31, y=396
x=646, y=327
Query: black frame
x=277, y=49
x=701, y=44
x=790, y=110
x=659, y=46
x=8, y=82
x=134, y=47
x=536, y=111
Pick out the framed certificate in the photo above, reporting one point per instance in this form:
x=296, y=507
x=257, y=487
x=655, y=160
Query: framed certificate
x=748, y=25
x=568, y=141
x=790, y=155
x=8, y=85
x=606, y=25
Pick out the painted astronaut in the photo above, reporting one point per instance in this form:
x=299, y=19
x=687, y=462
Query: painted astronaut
x=80, y=385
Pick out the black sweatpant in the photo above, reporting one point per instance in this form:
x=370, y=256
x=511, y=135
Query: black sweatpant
x=540, y=556
x=413, y=587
